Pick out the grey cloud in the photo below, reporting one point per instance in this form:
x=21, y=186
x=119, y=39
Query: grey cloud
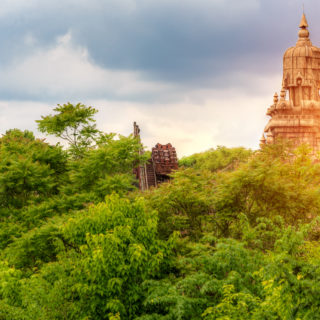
x=191, y=44
x=212, y=65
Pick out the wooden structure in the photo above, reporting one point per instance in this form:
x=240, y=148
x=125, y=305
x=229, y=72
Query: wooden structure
x=298, y=117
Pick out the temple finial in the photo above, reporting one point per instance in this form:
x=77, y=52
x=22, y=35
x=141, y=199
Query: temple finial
x=303, y=23
x=303, y=39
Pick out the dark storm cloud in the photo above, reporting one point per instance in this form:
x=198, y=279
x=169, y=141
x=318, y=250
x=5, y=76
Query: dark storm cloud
x=196, y=44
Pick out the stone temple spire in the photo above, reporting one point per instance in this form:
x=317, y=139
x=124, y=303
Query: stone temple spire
x=303, y=33
x=301, y=69
x=303, y=22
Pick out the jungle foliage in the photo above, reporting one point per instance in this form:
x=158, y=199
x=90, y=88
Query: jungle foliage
x=233, y=235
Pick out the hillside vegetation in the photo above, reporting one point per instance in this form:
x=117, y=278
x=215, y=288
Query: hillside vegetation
x=233, y=235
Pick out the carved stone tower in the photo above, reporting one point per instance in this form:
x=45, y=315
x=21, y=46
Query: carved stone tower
x=163, y=161
x=298, y=118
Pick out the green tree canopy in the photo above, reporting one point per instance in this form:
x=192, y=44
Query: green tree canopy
x=30, y=169
x=73, y=123
x=107, y=168
x=221, y=158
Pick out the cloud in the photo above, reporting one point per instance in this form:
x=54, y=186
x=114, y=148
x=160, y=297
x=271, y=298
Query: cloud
x=202, y=119
x=197, y=123
x=193, y=119
x=177, y=41
x=8, y=7
x=189, y=127
x=194, y=73
x=66, y=72
x=186, y=42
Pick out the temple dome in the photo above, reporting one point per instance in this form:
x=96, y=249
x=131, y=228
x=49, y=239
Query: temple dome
x=304, y=47
x=301, y=67
x=307, y=51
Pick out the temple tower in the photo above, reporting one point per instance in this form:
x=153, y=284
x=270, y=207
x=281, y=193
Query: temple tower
x=163, y=161
x=298, y=117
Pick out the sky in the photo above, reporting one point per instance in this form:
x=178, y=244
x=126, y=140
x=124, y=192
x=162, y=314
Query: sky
x=195, y=73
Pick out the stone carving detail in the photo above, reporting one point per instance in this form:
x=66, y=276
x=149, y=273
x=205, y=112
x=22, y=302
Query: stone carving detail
x=165, y=161
x=298, y=118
